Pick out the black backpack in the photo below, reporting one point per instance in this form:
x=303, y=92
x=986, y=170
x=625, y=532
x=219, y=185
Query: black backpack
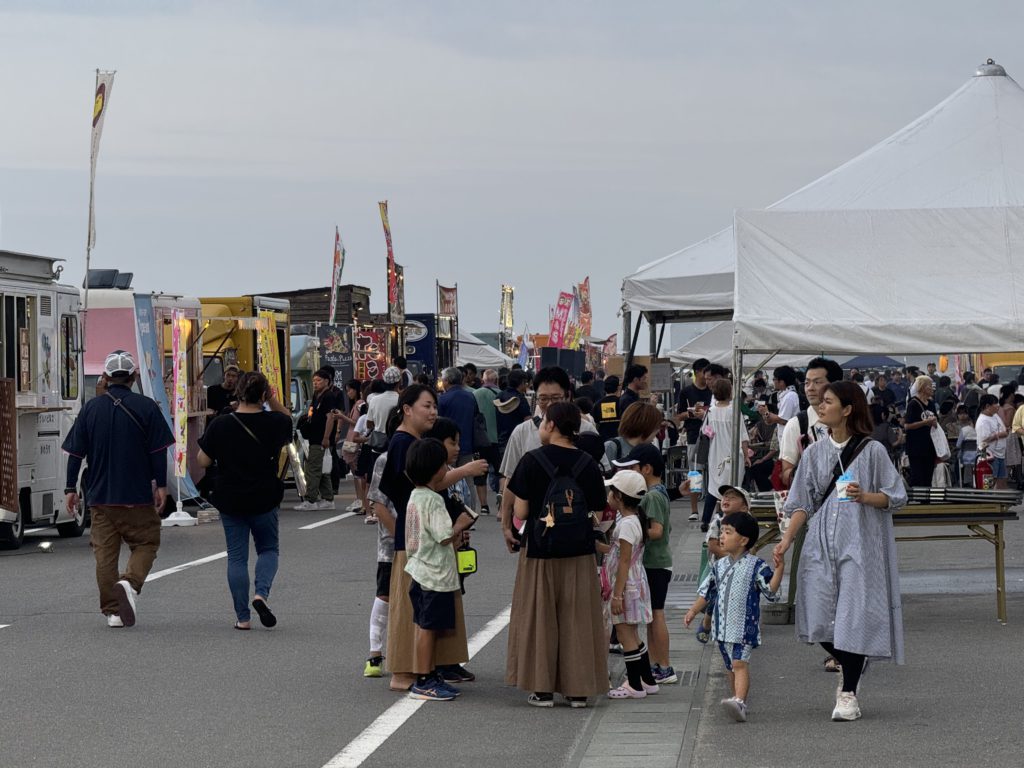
x=565, y=527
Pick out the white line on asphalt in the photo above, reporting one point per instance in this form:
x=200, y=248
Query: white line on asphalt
x=184, y=566
x=328, y=521
x=4, y=625
x=381, y=729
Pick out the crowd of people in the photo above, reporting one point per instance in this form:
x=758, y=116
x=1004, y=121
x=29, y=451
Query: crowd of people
x=579, y=471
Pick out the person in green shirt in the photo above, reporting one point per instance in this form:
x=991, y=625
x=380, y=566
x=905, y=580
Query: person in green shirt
x=648, y=461
x=429, y=534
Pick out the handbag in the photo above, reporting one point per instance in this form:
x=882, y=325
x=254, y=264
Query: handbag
x=378, y=441
x=704, y=438
x=941, y=477
x=466, y=557
x=939, y=441
x=480, y=437
x=328, y=463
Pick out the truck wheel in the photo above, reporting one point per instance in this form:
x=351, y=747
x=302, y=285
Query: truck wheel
x=76, y=527
x=12, y=534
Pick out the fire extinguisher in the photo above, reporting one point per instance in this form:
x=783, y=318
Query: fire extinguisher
x=983, y=473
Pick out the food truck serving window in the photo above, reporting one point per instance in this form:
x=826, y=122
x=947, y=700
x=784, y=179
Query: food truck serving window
x=17, y=341
x=68, y=357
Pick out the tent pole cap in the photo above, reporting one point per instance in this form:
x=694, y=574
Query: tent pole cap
x=990, y=69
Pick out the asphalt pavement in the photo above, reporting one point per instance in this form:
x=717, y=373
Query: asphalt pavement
x=183, y=688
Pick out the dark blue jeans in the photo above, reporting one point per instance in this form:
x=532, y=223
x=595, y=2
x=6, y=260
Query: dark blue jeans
x=264, y=535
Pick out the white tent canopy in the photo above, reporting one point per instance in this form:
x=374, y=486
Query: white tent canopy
x=716, y=346
x=885, y=281
x=473, y=350
x=967, y=152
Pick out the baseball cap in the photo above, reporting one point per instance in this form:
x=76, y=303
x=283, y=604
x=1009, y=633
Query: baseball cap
x=392, y=375
x=643, y=454
x=628, y=483
x=119, y=363
x=722, y=489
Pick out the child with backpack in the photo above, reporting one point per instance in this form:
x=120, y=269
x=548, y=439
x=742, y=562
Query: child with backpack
x=624, y=580
x=737, y=578
x=431, y=563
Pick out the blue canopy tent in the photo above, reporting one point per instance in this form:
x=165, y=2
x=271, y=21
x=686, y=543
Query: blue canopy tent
x=872, y=361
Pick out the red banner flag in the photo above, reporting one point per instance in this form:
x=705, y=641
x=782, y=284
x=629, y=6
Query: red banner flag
x=339, y=264
x=392, y=272
x=559, y=320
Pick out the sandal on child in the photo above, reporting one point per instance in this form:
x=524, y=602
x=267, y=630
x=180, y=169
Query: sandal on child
x=832, y=664
x=624, y=691
x=703, y=635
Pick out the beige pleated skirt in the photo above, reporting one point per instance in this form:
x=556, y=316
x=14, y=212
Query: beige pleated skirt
x=556, y=639
x=401, y=652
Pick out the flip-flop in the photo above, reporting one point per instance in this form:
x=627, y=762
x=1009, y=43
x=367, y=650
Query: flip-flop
x=267, y=617
x=238, y=625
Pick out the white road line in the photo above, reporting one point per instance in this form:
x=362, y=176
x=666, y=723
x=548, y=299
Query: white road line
x=328, y=521
x=185, y=566
x=381, y=729
x=4, y=625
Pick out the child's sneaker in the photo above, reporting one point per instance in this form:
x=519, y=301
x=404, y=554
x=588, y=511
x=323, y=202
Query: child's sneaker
x=374, y=667
x=703, y=635
x=432, y=690
x=665, y=675
x=737, y=708
x=847, y=707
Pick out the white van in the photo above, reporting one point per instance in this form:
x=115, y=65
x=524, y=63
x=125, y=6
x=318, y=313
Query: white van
x=40, y=395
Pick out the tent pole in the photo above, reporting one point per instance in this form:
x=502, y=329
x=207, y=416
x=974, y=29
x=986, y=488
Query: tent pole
x=653, y=340
x=737, y=416
x=636, y=338
x=661, y=337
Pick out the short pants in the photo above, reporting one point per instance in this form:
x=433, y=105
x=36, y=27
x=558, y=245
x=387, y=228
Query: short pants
x=998, y=468
x=657, y=582
x=432, y=610
x=383, y=579
x=734, y=652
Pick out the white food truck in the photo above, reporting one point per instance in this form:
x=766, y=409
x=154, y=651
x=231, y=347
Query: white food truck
x=40, y=395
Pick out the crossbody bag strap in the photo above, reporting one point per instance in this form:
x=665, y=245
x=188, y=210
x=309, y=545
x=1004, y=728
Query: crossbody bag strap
x=846, y=459
x=251, y=433
x=127, y=411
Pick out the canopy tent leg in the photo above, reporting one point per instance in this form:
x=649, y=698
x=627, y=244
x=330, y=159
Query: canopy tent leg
x=636, y=338
x=661, y=338
x=652, y=344
x=737, y=416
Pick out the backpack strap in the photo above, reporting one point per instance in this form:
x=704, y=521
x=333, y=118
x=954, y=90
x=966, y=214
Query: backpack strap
x=545, y=463
x=580, y=465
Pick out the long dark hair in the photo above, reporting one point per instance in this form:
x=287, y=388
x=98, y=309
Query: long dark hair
x=849, y=394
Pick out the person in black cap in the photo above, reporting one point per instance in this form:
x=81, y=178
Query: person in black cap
x=124, y=437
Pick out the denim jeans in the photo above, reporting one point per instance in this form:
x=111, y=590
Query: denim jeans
x=264, y=535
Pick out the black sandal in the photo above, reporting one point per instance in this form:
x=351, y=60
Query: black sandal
x=267, y=617
x=238, y=625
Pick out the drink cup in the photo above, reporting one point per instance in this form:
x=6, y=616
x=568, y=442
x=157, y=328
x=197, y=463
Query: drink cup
x=696, y=481
x=843, y=488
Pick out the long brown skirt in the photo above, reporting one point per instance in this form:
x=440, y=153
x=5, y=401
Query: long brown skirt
x=556, y=638
x=401, y=654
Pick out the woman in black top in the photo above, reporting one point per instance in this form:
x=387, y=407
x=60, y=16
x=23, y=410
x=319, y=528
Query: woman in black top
x=246, y=446
x=557, y=641
x=920, y=449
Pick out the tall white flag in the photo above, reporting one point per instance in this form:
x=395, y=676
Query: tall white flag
x=104, y=85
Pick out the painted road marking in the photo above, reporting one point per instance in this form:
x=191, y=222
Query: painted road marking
x=185, y=566
x=4, y=625
x=328, y=521
x=381, y=729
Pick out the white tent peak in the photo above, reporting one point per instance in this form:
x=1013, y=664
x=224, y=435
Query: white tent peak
x=966, y=152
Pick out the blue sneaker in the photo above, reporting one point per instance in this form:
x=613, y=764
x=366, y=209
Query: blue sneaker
x=432, y=690
x=439, y=679
x=665, y=675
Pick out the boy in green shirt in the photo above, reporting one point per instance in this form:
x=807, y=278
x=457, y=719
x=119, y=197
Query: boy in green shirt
x=431, y=563
x=647, y=460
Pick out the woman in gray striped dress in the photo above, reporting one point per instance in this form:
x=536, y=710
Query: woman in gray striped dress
x=848, y=582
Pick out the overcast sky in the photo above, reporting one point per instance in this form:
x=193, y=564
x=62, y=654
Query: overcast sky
x=525, y=142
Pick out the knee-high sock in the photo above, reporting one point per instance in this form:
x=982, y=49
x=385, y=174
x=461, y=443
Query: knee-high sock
x=633, y=674
x=378, y=626
x=645, y=665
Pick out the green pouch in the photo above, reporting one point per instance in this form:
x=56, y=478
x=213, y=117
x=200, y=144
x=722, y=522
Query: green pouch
x=467, y=560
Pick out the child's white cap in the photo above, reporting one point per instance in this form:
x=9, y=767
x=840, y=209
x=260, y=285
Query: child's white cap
x=628, y=483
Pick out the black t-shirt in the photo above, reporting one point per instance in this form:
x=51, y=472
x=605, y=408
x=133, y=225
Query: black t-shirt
x=626, y=399
x=319, y=408
x=607, y=416
x=530, y=482
x=247, y=481
x=919, y=441
x=588, y=391
x=218, y=398
x=395, y=484
x=689, y=397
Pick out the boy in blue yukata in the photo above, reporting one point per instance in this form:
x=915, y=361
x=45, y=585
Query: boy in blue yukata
x=739, y=578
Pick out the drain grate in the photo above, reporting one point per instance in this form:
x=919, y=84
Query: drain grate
x=684, y=578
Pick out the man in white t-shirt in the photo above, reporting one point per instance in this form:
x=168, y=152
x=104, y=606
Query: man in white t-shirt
x=784, y=379
x=379, y=406
x=820, y=373
x=992, y=434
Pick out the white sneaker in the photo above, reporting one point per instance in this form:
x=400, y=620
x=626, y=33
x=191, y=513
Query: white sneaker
x=125, y=602
x=355, y=506
x=324, y=504
x=114, y=621
x=737, y=708
x=306, y=506
x=693, y=517
x=846, y=708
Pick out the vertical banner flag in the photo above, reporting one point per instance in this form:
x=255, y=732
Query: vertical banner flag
x=586, y=316
x=104, y=86
x=398, y=308
x=447, y=301
x=524, y=349
x=339, y=264
x=370, y=352
x=559, y=320
x=611, y=345
x=179, y=348
x=269, y=353
x=392, y=276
